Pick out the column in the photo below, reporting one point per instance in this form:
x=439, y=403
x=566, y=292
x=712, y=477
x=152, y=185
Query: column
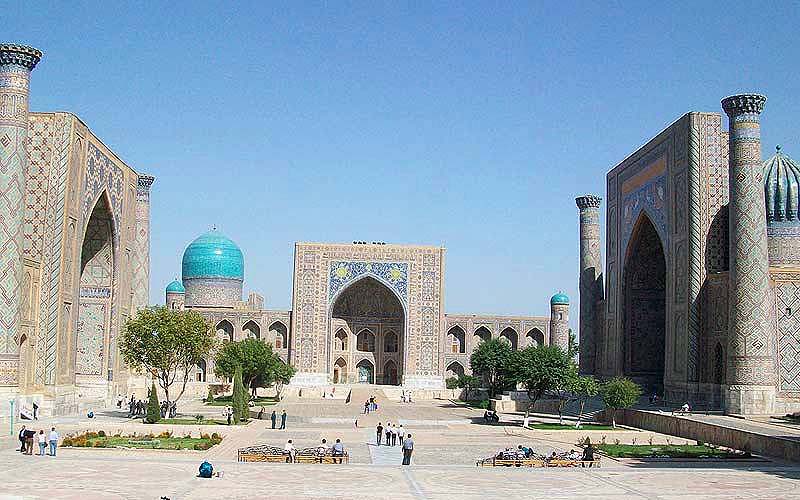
x=140, y=274
x=16, y=64
x=590, y=282
x=559, y=321
x=751, y=335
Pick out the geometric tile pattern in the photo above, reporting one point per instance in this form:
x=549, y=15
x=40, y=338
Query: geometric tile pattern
x=751, y=335
x=393, y=274
x=591, y=292
x=90, y=335
x=788, y=300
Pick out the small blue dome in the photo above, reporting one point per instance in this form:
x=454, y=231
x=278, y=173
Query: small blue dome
x=559, y=299
x=213, y=255
x=176, y=287
x=781, y=180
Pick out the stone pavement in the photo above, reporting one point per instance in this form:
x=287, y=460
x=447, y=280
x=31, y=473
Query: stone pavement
x=447, y=445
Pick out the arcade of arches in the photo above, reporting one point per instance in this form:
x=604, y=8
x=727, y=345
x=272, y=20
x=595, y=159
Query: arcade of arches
x=367, y=324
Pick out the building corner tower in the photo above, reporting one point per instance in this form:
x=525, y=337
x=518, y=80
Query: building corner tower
x=559, y=320
x=590, y=280
x=751, y=335
x=140, y=281
x=16, y=64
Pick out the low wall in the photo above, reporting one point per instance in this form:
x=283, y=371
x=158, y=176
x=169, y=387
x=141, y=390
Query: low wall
x=759, y=444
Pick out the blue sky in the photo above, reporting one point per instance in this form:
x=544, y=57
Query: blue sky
x=471, y=125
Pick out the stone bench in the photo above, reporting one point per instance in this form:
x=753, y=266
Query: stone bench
x=278, y=455
x=535, y=462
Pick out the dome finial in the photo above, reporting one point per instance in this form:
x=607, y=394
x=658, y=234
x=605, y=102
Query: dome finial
x=778, y=148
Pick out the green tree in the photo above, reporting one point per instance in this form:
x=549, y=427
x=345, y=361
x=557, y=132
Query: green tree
x=259, y=363
x=210, y=396
x=572, y=345
x=584, y=389
x=153, y=407
x=166, y=344
x=451, y=382
x=490, y=361
x=239, y=396
x=619, y=392
x=468, y=382
x=283, y=375
x=542, y=368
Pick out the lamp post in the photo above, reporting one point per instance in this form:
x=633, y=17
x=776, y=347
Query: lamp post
x=11, y=401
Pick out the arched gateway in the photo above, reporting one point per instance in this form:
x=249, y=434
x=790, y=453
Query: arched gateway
x=375, y=314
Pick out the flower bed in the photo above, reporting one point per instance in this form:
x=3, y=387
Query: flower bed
x=667, y=451
x=164, y=441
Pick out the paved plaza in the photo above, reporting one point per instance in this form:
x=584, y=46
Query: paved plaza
x=449, y=438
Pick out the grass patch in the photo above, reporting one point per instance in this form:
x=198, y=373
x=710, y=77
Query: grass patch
x=666, y=451
x=163, y=441
x=566, y=427
x=226, y=401
x=194, y=421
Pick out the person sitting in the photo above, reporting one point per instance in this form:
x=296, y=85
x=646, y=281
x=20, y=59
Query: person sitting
x=289, y=451
x=573, y=454
x=206, y=470
x=486, y=416
x=338, y=451
x=322, y=449
x=588, y=455
x=686, y=408
x=90, y=414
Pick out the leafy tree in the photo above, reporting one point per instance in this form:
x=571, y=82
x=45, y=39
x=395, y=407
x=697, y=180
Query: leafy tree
x=468, y=382
x=572, y=345
x=210, y=396
x=166, y=343
x=541, y=369
x=259, y=363
x=584, y=389
x=490, y=361
x=619, y=392
x=451, y=383
x=283, y=375
x=239, y=395
x=153, y=407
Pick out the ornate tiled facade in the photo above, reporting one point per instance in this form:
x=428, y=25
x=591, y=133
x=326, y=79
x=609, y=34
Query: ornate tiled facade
x=360, y=313
x=681, y=312
x=77, y=251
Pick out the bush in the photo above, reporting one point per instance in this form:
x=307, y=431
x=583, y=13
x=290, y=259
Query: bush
x=153, y=408
x=202, y=446
x=468, y=382
x=210, y=396
x=203, y=435
x=100, y=443
x=484, y=404
x=101, y=434
x=451, y=383
x=67, y=441
x=165, y=434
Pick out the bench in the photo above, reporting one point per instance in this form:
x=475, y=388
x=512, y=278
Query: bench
x=535, y=462
x=573, y=463
x=262, y=454
x=312, y=456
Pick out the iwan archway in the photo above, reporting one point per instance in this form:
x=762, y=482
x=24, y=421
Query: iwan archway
x=375, y=314
x=644, y=293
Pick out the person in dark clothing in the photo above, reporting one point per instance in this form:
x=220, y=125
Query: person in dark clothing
x=388, y=430
x=408, y=449
x=22, y=440
x=261, y=413
x=35, y=411
x=283, y=419
x=273, y=417
x=379, y=430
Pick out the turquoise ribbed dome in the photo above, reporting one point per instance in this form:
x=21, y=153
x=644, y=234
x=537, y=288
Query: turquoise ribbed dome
x=559, y=299
x=176, y=287
x=781, y=179
x=213, y=255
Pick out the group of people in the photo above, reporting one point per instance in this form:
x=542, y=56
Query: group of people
x=28, y=436
x=490, y=416
x=336, y=451
x=393, y=434
x=273, y=417
x=168, y=410
x=405, y=396
x=370, y=405
x=523, y=452
x=136, y=407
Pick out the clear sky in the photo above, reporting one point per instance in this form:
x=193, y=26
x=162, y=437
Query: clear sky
x=471, y=125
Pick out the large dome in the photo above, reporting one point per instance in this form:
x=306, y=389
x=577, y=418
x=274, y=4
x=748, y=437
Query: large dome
x=213, y=255
x=782, y=197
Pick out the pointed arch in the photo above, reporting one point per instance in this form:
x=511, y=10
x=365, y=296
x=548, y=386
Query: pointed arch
x=390, y=341
x=225, y=330
x=280, y=334
x=340, y=340
x=454, y=369
x=482, y=334
x=366, y=371
x=534, y=337
x=390, y=373
x=510, y=335
x=365, y=341
x=252, y=330
x=456, y=340
x=200, y=375
x=340, y=371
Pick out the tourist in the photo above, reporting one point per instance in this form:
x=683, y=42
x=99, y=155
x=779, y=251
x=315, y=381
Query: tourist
x=120, y=399
x=289, y=451
x=206, y=470
x=283, y=420
x=53, y=440
x=273, y=417
x=338, y=451
x=22, y=439
x=90, y=414
x=400, y=433
x=573, y=454
x=393, y=430
x=322, y=449
x=366, y=407
x=173, y=410
x=685, y=408
x=35, y=411
x=227, y=412
x=261, y=413
x=30, y=434
x=379, y=430
x=588, y=454
x=388, y=432
x=408, y=449
x=41, y=440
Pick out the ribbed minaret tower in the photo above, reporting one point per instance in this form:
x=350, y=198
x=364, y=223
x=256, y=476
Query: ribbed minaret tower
x=559, y=320
x=16, y=64
x=751, y=332
x=591, y=287
x=140, y=273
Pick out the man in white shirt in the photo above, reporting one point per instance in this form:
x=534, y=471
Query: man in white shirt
x=53, y=439
x=394, y=435
x=289, y=450
x=400, y=433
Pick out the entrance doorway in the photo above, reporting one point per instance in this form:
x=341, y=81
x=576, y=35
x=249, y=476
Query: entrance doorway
x=366, y=372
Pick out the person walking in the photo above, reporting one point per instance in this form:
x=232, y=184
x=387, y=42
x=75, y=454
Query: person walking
x=273, y=417
x=228, y=413
x=379, y=430
x=408, y=449
x=388, y=432
x=30, y=434
x=22, y=439
x=35, y=411
x=400, y=433
x=283, y=420
x=394, y=435
x=52, y=438
x=41, y=440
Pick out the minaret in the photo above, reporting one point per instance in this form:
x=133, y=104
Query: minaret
x=140, y=280
x=751, y=334
x=559, y=320
x=16, y=64
x=591, y=286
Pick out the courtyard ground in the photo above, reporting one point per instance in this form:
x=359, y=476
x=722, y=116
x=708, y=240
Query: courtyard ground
x=449, y=439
